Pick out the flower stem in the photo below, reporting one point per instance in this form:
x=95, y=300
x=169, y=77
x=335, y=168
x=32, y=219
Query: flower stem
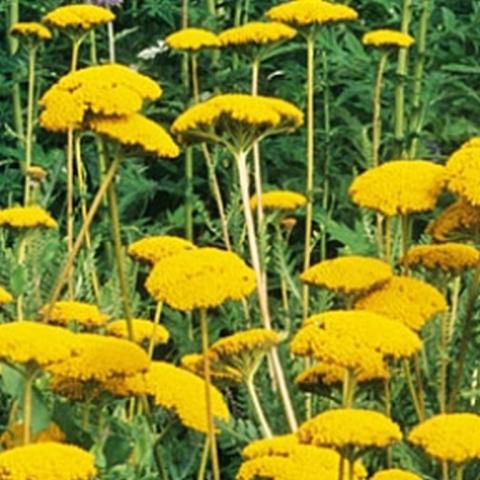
x=203, y=462
x=264, y=425
x=348, y=388
x=443, y=354
x=377, y=110
x=459, y=472
x=413, y=391
x=156, y=321
x=27, y=403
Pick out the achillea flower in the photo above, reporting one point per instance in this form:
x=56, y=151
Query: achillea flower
x=279, y=200
x=5, y=297
x=78, y=17
x=176, y=390
x=143, y=331
x=349, y=275
x=192, y=39
x=13, y=437
x=256, y=33
x=449, y=257
x=460, y=221
x=395, y=474
x=33, y=30
x=64, y=312
x=384, y=38
x=454, y=437
x=153, y=249
x=35, y=343
x=349, y=428
x=137, y=131
x=311, y=12
x=220, y=373
x=405, y=299
x=472, y=143
x=200, y=278
x=26, y=217
x=463, y=168
x=399, y=187
x=281, y=445
x=36, y=173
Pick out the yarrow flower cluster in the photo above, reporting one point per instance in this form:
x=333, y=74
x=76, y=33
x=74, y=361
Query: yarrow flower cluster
x=463, y=167
x=283, y=200
x=154, y=249
x=384, y=38
x=192, y=39
x=143, y=331
x=26, y=217
x=5, y=296
x=256, y=33
x=395, y=474
x=64, y=312
x=78, y=17
x=33, y=30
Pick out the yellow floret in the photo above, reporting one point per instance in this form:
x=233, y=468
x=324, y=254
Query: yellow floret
x=192, y=39
x=256, y=33
x=64, y=312
x=388, y=38
x=34, y=30
x=153, y=249
x=463, y=169
x=395, y=474
x=5, y=297
x=26, y=217
x=279, y=200
x=143, y=331
x=13, y=437
x=81, y=17
x=472, y=143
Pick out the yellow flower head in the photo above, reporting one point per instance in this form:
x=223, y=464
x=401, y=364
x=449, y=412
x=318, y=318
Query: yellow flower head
x=281, y=445
x=384, y=38
x=256, y=33
x=33, y=30
x=36, y=173
x=284, y=200
x=153, y=249
x=178, y=391
x=349, y=428
x=460, y=221
x=399, y=187
x=454, y=437
x=311, y=12
x=5, y=297
x=13, y=437
x=143, y=331
x=449, y=257
x=200, y=278
x=192, y=39
x=29, y=342
x=48, y=461
x=395, y=474
x=220, y=373
x=472, y=143
x=348, y=275
x=26, y=217
x=234, y=116
x=408, y=300
x=137, y=131
x=109, y=90
x=100, y=358
x=64, y=312
x=463, y=168
x=78, y=17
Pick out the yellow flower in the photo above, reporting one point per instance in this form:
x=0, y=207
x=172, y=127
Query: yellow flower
x=408, y=300
x=388, y=38
x=29, y=342
x=13, y=437
x=459, y=221
x=256, y=33
x=26, y=217
x=5, y=297
x=153, y=249
x=100, y=358
x=472, y=143
x=64, y=312
x=81, y=17
x=36, y=173
x=33, y=30
x=47, y=461
x=176, y=390
x=395, y=474
x=281, y=445
x=349, y=275
x=349, y=428
x=463, y=168
x=137, y=131
x=280, y=200
x=311, y=12
x=220, y=373
x=453, y=436
x=143, y=330
x=450, y=257
x=399, y=187
x=200, y=278
x=192, y=39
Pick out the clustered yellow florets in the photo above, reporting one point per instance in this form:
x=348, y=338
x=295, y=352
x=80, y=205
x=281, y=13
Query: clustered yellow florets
x=279, y=200
x=157, y=248
x=64, y=312
x=256, y=33
x=34, y=30
x=81, y=17
x=463, y=168
x=13, y=437
x=192, y=39
x=395, y=474
x=143, y=330
x=5, y=296
x=388, y=38
x=26, y=217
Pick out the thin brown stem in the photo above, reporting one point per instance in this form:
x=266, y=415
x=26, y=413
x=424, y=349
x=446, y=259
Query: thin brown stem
x=257, y=406
x=377, y=111
x=29, y=135
x=412, y=390
x=156, y=322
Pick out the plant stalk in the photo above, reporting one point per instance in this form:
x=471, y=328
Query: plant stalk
x=203, y=462
x=264, y=425
x=377, y=110
x=156, y=322
x=413, y=392
x=27, y=403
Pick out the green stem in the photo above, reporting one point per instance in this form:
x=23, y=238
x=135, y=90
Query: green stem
x=348, y=388
x=70, y=209
x=111, y=42
x=203, y=462
x=405, y=225
x=442, y=371
x=377, y=110
x=76, y=42
x=264, y=425
x=388, y=412
x=413, y=391
x=341, y=467
x=93, y=48
x=189, y=194
x=156, y=322
x=459, y=472
x=444, y=466
x=27, y=403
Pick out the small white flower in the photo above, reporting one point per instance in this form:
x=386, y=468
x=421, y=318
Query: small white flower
x=151, y=52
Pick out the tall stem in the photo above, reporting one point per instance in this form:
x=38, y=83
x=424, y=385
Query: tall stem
x=156, y=322
x=348, y=388
x=264, y=425
x=111, y=42
x=208, y=398
x=27, y=403
x=413, y=391
x=405, y=225
x=70, y=212
x=442, y=371
x=203, y=461
x=377, y=110
x=459, y=472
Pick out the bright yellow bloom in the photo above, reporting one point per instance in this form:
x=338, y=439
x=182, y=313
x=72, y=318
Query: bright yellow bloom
x=192, y=39
x=36, y=173
x=399, y=187
x=220, y=373
x=13, y=437
x=34, y=30
x=453, y=436
x=153, y=249
x=311, y=12
x=281, y=445
x=279, y=200
x=449, y=257
x=256, y=33
x=388, y=38
x=200, y=278
x=349, y=428
x=64, y=312
x=349, y=275
x=47, y=461
x=463, y=169
x=408, y=300
x=81, y=17
x=26, y=217
x=30, y=342
x=5, y=297
x=143, y=331
x=472, y=143
x=100, y=358
x=178, y=391
x=395, y=474
x=137, y=131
